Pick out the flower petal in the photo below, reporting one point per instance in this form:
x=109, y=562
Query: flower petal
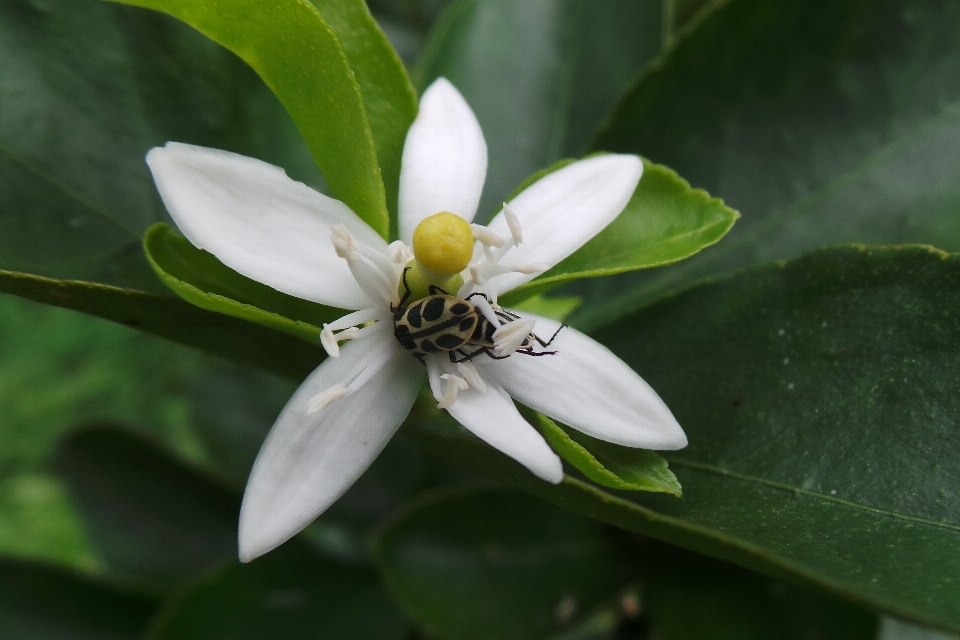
x=491, y=415
x=563, y=210
x=259, y=222
x=444, y=160
x=310, y=459
x=587, y=387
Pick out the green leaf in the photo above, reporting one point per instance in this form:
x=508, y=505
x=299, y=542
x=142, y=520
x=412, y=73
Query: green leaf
x=173, y=319
x=38, y=522
x=539, y=75
x=491, y=563
x=680, y=14
x=687, y=597
x=202, y=280
x=86, y=89
x=153, y=519
x=557, y=308
x=892, y=629
x=388, y=96
x=39, y=601
x=822, y=122
x=608, y=464
x=288, y=593
x=819, y=400
x=290, y=45
x=664, y=221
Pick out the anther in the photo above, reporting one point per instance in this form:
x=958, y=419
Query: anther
x=325, y=398
x=510, y=336
x=471, y=375
x=514, y=223
x=344, y=243
x=454, y=384
x=486, y=237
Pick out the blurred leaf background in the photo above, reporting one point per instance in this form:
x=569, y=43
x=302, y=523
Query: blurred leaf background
x=123, y=457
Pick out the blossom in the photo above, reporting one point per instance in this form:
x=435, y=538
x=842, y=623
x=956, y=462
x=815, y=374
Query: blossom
x=281, y=233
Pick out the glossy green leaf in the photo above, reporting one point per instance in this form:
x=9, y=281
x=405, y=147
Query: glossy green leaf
x=152, y=518
x=557, y=308
x=680, y=14
x=290, y=45
x=86, y=89
x=174, y=319
x=687, y=597
x=893, y=629
x=38, y=522
x=664, y=221
x=822, y=122
x=202, y=280
x=492, y=563
x=539, y=74
x=39, y=601
x=389, y=98
x=288, y=593
x=608, y=464
x=819, y=400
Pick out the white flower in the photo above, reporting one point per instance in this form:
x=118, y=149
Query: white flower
x=281, y=233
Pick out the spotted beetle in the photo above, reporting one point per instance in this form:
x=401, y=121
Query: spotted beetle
x=442, y=323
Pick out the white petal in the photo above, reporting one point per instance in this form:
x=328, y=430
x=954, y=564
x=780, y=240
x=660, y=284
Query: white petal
x=491, y=415
x=310, y=460
x=444, y=160
x=587, y=387
x=563, y=210
x=259, y=222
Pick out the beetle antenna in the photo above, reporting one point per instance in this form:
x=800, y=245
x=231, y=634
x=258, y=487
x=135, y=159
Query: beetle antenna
x=406, y=287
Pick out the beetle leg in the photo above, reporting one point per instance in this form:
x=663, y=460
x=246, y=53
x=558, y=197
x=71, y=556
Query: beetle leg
x=552, y=338
x=434, y=289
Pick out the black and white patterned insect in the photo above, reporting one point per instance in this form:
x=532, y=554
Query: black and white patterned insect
x=442, y=323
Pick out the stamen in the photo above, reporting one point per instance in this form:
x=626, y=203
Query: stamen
x=486, y=237
x=330, y=340
x=400, y=253
x=514, y=223
x=355, y=379
x=344, y=243
x=510, y=336
x=454, y=384
x=375, y=365
x=535, y=267
x=325, y=398
x=486, y=309
x=472, y=376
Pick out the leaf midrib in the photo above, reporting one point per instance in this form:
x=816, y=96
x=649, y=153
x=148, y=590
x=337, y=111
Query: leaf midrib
x=715, y=470
x=70, y=193
x=660, y=288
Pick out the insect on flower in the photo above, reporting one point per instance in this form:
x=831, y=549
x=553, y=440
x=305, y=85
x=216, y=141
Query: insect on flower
x=281, y=233
x=445, y=323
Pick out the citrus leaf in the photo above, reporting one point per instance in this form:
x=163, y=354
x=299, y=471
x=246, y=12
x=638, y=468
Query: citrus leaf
x=608, y=464
x=388, y=96
x=174, y=319
x=559, y=67
x=821, y=122
x=289, y=593
x=200, y=279
x=40, y=601
x=665, y=221
x=480, y=562
x=819, y=400
x=290, y=45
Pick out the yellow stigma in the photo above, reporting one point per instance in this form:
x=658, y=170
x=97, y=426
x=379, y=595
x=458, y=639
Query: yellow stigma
x=443, y=243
